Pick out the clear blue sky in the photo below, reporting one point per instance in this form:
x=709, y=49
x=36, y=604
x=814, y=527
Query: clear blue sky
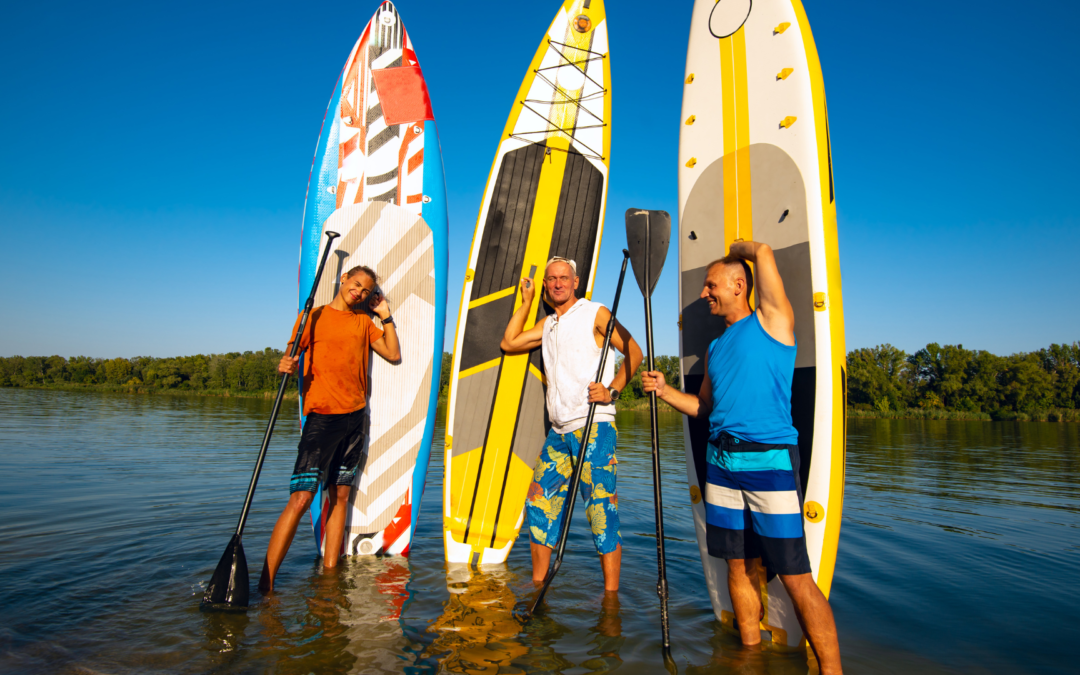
x=154, y=161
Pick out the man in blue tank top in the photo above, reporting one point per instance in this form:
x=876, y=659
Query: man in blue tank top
x=753, y=500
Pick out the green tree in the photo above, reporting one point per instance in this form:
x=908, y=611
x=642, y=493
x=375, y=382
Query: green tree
x=1025, y=385
x=117, y=371
x=879, y=376
x=1063, y=364
x=444, y=373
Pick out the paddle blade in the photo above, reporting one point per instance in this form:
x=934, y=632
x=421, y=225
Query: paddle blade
x=647, y=237
x=228, y=589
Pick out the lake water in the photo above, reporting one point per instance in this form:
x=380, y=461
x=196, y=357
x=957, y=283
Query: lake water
x=960, y=553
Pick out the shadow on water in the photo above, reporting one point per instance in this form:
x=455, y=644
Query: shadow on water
x=122, y=503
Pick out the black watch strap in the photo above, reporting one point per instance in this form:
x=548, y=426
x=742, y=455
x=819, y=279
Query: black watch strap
x=389, y=319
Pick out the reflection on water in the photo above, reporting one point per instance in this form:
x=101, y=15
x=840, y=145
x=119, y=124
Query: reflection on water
x=116, y=509
x=477, y=631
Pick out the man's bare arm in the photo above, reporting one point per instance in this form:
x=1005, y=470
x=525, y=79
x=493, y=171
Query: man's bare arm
x=776, y=314
x=625, y=344
x=387, y=346
x=515, y=339
x=688, y=404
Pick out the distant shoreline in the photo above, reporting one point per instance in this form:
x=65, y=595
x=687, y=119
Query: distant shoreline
x=634, y=405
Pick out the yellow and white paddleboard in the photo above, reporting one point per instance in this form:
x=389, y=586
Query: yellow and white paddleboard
x=755, y=164
x=545, y=196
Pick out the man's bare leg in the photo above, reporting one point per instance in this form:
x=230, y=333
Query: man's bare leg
x=612, y=564
x=745, y=588
x=282, y=537
x=335, y=525
x=816, y=618
x=541, y=560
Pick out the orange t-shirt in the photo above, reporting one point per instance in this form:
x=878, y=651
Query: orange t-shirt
x=336, y=364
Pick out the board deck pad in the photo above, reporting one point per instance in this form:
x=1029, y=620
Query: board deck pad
x=755, y=164
x=377, y=179
x=545, y=196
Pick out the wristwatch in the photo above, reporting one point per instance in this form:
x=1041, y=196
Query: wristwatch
x=389, y=319
x=614, y=394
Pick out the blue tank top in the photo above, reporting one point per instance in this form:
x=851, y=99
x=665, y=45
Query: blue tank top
x=750, y=372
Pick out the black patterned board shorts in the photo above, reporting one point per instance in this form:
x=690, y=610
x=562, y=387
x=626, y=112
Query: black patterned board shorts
x=330, y=450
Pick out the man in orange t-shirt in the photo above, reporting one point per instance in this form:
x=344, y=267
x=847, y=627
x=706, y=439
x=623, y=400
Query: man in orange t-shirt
x=337, y=340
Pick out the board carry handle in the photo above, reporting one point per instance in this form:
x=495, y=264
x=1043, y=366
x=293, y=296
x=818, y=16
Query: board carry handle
x=228, y=588
x=583, y=447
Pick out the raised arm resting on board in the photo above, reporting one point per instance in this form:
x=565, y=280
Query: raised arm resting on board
x=699, y=405
x=515, y=339
x=774, y=308
x=387, y=346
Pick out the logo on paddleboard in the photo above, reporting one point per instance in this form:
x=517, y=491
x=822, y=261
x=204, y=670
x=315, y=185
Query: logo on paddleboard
x=582, y=23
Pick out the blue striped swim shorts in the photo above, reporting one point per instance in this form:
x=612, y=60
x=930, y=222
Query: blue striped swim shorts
x=753, y=504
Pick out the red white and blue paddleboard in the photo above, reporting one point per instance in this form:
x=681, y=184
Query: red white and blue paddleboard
x=377, y=179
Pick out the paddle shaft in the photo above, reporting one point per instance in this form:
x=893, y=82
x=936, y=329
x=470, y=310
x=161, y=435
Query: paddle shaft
x=281, y=388
x=658, y=499
x=583, y=447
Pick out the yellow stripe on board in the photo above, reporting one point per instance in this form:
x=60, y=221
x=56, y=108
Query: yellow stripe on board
x=479, y=369
x=491, y=297
x=536, y=373
x=738, y=217
x=498, y=450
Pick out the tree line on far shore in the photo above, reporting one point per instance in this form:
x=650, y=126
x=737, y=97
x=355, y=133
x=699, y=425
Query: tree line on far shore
x=880, y=379
x=951, y=378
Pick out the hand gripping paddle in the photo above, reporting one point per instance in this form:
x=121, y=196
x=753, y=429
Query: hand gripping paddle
x=647, y=236
x=575, y=477
x=228, y=589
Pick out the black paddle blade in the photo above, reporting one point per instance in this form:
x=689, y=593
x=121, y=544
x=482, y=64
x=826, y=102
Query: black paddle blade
x=228, y=589
x=647, y=237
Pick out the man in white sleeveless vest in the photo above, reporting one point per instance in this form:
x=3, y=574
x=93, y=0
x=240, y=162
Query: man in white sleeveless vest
x=571, y=341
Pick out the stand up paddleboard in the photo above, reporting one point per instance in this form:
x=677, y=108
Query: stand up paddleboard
x=755, y=164
x=545, y=196
x=377, y=178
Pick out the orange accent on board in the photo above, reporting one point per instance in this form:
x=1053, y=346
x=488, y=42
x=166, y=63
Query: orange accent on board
x=403, y=95
x=399, y=523
x=416, y=160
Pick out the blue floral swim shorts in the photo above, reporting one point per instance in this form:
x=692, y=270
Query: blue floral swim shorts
x=551, y=484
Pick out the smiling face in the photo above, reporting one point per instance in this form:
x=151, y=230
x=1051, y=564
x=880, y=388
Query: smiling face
x=725, y=290
x=560, y=282
x=356, y=288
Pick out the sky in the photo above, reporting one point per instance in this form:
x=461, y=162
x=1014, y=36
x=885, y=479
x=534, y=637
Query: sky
x=154, y=159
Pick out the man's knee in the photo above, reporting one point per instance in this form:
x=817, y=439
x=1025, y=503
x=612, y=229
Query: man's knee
x=301, y=500
x=798, y=583
x=740, y=567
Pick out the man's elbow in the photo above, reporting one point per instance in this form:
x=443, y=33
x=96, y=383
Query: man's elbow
x=506, y=346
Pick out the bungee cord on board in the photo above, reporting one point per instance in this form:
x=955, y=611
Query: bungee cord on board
x=576, y=100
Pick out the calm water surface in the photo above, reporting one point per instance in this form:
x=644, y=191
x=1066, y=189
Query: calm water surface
x=959, y=554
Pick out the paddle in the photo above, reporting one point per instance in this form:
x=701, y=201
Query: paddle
x=564, y=528
x=228, y=589
x=647, y=236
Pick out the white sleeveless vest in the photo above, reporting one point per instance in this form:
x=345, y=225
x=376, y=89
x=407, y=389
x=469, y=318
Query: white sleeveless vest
x=571, y=358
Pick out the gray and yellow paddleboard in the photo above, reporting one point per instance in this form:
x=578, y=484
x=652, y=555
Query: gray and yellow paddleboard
x=545, y=196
